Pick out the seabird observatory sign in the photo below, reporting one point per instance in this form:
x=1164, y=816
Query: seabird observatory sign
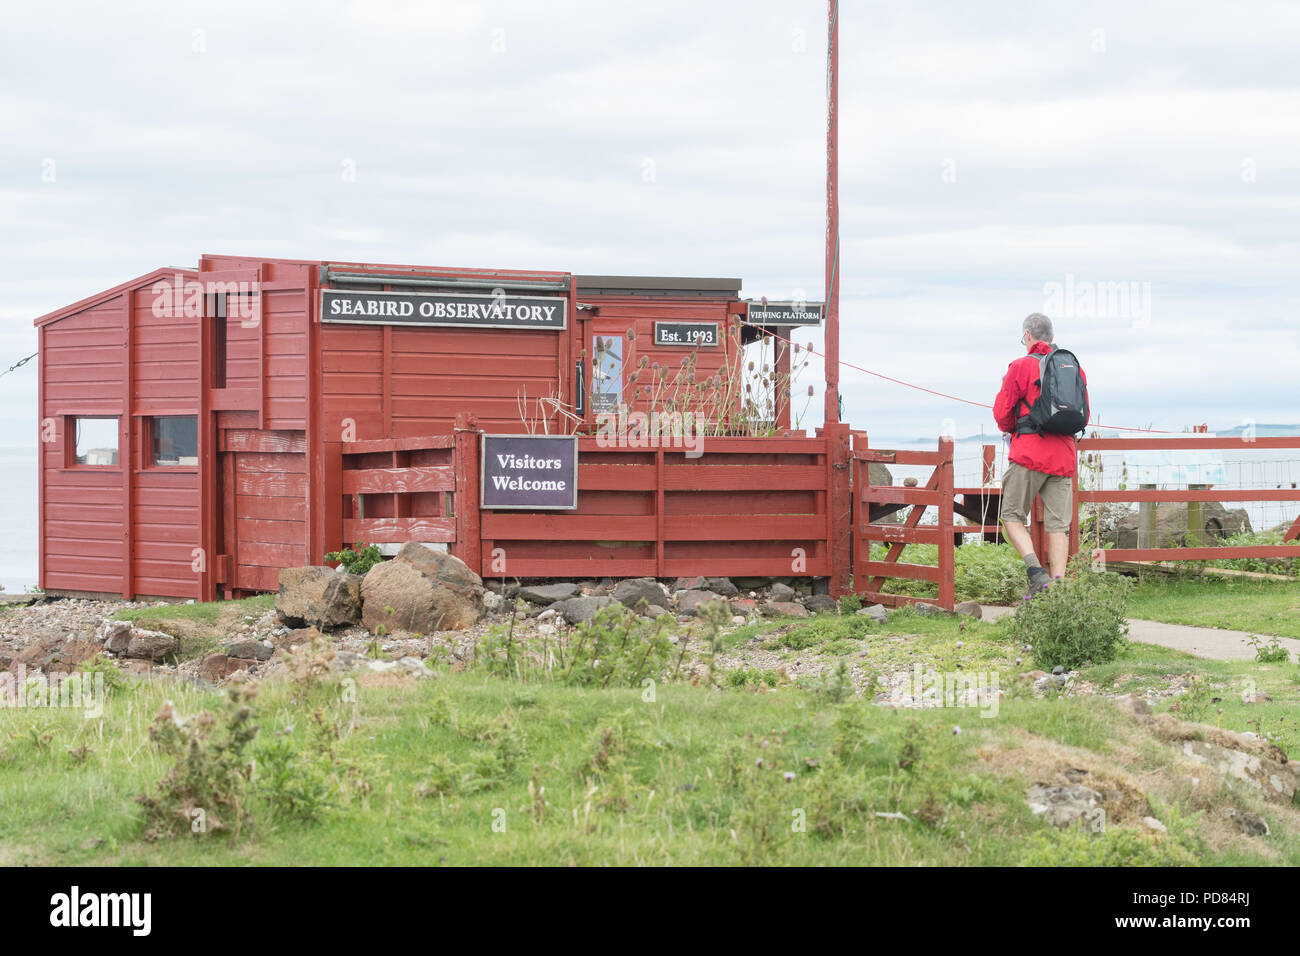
x=465, y=309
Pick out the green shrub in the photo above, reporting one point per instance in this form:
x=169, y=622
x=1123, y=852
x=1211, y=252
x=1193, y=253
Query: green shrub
x=1271, y=652
x=358, y=559
x=1080, y=618
x=205, y=791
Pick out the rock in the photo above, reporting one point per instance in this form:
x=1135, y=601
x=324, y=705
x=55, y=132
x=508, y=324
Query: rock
x=1058, y=669
x=697, y=583
x=929, y=610
x=738, y=619
x=492, y=601
x=781, y=593
x=693, y=602
x=547, y=614
x=151, y=645
x=445, y=568
x=1064, y=806
x=547, y=630
x=545, y=594
x=821, y=603
x=721, y=586
x=877, y=612
x=297, y=637
x=576, y=610
x=217, y=667
x=116, y=636
x=318, y=596
x=1151, y=823
x=784, y=609
x=421, y=591
x=1251, y=824
x=415, y=666
x=970, y=609
x=653, y=611
x=637, y=591
x=249, y=650
x=744, y=606
x=1276, y=779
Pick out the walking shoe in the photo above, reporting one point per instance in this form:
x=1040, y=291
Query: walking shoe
x=1039, y=580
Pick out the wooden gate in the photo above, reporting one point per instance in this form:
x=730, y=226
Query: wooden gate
x=873, y=503
x=399, y=489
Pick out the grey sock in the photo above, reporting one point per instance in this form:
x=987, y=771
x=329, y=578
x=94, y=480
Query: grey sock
x=1031, y=561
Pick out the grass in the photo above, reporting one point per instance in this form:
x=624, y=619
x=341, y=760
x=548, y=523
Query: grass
x=471, y=769
x=199, y=625
x=1240, y=604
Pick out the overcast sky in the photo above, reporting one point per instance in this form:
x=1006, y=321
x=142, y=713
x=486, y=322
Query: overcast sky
x=994, y=156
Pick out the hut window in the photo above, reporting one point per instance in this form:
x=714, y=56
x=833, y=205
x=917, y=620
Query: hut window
x=175, y=440
x=606, y=373
x=94, y=440
x=216, y=308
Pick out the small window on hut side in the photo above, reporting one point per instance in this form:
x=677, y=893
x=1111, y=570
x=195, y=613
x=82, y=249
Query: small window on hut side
x=216, y=309
x=93, y=441
x=606, y=373
x=175, y=440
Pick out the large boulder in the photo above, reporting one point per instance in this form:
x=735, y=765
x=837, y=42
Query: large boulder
x=421, y=591
x=635, y=591
x=446, y=569
x=318, y=597
x=1170, y=529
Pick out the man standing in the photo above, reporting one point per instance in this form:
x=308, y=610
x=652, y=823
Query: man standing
x=1041, y=463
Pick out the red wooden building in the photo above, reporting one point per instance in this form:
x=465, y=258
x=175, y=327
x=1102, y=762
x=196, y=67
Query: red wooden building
x=203, y=428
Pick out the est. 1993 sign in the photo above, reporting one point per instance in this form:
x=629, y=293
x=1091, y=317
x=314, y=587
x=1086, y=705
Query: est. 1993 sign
x=529, y=472
x=702, y=334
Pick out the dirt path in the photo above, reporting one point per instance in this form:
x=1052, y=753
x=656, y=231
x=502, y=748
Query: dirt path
x=1209, y=642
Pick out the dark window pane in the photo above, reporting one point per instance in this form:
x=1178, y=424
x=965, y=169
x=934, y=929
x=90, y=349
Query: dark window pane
x=175, y=440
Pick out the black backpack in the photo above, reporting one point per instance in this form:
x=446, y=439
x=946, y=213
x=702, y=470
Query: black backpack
x=1062, y=404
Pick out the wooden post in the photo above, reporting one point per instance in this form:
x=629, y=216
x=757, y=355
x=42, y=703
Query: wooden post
x=947, y=557
x=781, y=394
x=1074, y=514
x=1146, y=520
x=469, y=546
x=832, y=347
x=1038, y=533
x=839, y=505
x=1195, y=519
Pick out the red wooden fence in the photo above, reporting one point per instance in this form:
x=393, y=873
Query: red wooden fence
x=1189, y=495
x=759, y=507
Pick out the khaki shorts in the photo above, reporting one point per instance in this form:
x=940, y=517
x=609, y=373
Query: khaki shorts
x=1021, y=485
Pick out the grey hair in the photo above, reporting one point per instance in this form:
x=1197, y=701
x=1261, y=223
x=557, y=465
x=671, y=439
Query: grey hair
x=1039, y=326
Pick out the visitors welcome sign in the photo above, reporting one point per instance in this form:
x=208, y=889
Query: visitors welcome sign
x=529, y=472
x=477, y=310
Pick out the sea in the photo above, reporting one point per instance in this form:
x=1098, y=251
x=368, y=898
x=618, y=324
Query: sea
x=1245, y=468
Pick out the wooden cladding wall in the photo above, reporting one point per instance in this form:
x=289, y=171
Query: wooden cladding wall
x=83, y=364
x=394, y=382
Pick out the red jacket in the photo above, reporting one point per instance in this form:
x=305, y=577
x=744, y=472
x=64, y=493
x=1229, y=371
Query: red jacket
x=1052, y=454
